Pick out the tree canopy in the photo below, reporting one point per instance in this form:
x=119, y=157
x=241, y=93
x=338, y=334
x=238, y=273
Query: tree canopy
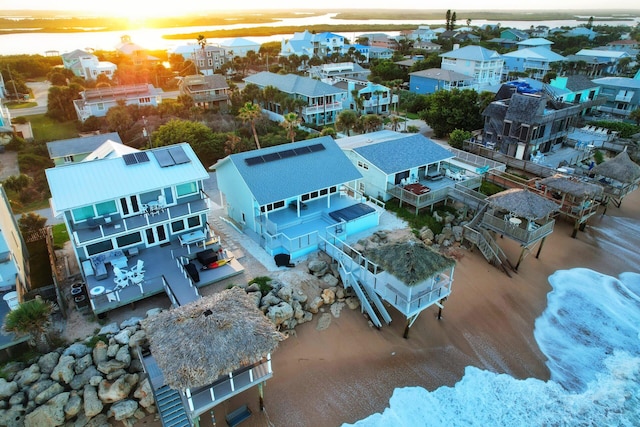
x=449, y=110
x=208, y=146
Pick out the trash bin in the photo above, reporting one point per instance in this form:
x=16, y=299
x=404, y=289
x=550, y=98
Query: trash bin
x=12, y=300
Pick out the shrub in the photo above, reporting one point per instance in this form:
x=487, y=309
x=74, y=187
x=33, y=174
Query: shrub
x=263, y=284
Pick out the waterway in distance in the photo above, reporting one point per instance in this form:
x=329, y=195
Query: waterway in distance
x=151, y=38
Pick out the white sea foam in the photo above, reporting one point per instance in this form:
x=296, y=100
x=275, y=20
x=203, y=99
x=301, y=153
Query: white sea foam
x=590, y=335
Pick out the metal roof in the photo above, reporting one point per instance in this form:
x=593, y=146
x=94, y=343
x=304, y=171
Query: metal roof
x=535, y=53
x=403, y=153
x=292, y=84
x=87, y=183
x=293, y=175
x=621, y=82
x=472, y=53
x=442, y=75
x=87, y=144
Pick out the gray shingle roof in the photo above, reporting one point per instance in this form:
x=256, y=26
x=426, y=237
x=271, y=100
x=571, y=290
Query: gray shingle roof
x=524, y=108
x=403, y=153
x=292, y=176
x=292, y=84
x=69, y=147
x=579, y=82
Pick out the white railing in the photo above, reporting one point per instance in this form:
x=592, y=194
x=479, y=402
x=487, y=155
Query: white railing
x=315, y=109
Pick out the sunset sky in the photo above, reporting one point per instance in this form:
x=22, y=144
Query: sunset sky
x=148, y=8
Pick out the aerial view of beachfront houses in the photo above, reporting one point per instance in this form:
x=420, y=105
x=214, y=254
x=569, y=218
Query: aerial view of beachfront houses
x=138, y=225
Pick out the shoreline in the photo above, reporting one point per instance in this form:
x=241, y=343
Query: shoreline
x=350, y=370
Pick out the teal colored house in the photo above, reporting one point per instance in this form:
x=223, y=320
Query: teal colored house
x=288, y=196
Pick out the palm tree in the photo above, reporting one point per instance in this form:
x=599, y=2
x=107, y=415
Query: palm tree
x=31, y=318
x=251, y=112
x=358, y=101
x=269, y=94
x=329, y=131
x=231, y=145
x=395, y=122
x=347, y=119
x=372, y=122
x=290, y=123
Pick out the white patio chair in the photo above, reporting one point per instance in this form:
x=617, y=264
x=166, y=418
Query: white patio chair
x=138, y=268
x=120, y=275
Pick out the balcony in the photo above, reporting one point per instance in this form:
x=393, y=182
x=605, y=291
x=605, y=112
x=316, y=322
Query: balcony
x=624, y=96
x=316, y=109
x=84, y=233
x=521, y=232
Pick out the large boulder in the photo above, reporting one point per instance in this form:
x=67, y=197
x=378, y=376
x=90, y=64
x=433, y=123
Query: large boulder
x=138, y=338
x=110, y=366
x=14, y=416
x=144, y=394
x=63, y=372
x=110, y=392
x=280, y=313
x=110, y=329
x=112, y=350
x=100, y=352
x=53, y=390
x=28, y=376
x=285, y=293
x=123, y=409
x=48, y=362
x=123, y=355
x=83, y=363
x=50, y=414
x=7, y=388
x=269, y=299
x=79, y=381
x=256, y=296
x=328, y=296
x=329, y=281
x=123, y=337
x=131, y=322
x=315, y=304
x=92, y=404
x=73, y=406
x=77, y=350
x=318, y=267
x=39, y=387
x=352, y=302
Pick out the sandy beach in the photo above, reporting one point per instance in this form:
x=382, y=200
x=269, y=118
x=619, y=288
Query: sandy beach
x=349, y=371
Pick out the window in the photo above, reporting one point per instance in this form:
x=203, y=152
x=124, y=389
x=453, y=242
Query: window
x=186, y=189
x=100, y=106
x=81, y=214
x=68, y=159
x=193, y=221
x=128, y=239
x=524, y=132
x=507, y=128
x=210, y=62
x=362, y=165
x=209, y=54
x=97, y=248
x=106, y=208
x=177, y=226
x=144, y=100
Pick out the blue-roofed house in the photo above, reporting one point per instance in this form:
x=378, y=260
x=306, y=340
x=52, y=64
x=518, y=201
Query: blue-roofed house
x=67, y=151
x=622, y=94
x=534, y=42
x=577, y=89
x=378, y=52
x=307, y=43
x=376, y=98
x=581, y=32
x=289, y=195
x=484, y=65
x=599, y=62
x=147, y=206
x=514, y=34
x=239, y=46
x=324, y=102
x=535, y=60
x=412, y=167
x=435, y=79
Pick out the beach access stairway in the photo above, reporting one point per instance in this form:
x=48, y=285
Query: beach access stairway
x=350, y=271
x=479, y=236
x=170, y=404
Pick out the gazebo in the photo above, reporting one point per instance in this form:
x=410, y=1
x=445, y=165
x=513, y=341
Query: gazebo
x=210, y=350
x=578, y=199
x=619, y=175
x=521, y=215
x=415, y=275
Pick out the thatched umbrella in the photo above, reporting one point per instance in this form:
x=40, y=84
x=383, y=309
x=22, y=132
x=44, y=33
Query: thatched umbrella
x=621, y=168
x=217, y=334
x=575, y=188
x=411, y=262
x=523, y=203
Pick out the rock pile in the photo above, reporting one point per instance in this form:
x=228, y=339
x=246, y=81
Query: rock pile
x=82, y=385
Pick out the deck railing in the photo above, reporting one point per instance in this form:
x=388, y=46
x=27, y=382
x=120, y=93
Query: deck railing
x=520, y=234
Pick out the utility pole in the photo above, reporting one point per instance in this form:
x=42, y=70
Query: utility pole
x=145, y=133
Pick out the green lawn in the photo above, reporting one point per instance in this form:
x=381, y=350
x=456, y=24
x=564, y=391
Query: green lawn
x=60, y=235
x=46, y=129
x=19, y=105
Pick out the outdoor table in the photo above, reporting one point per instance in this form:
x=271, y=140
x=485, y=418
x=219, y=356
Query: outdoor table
x=98, y=290
x=189, y=238
x=515, y=221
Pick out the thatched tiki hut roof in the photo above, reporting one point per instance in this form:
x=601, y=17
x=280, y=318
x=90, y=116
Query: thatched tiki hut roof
x=621, y=168
x=575, y=188
x=197, y=343
x=523, y=203
x=411, y=262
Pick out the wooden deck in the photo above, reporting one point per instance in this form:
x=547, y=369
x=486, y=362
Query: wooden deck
x=161, y=265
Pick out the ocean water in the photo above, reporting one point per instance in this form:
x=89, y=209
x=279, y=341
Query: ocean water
x=590, y=334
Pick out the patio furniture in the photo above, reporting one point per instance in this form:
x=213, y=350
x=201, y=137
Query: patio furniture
x=137, y=279
x=283, y=260
x=138, y=268
x=190, y=238
x=207, y=256
x=97, y=290
x=11, y=298
x=192, y=271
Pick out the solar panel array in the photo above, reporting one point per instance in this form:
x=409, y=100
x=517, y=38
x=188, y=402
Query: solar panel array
x=135, y=158
x=284, y=154
x=171, y=156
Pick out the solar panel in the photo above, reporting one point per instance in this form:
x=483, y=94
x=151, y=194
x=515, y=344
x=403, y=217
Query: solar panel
x=271, y=157
x=141, y=157
x=316, y=147
x=287, y=153
x=302, y=150
x=250, y=161
x=164, y=158
x=130, y=159
x=178, y=155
